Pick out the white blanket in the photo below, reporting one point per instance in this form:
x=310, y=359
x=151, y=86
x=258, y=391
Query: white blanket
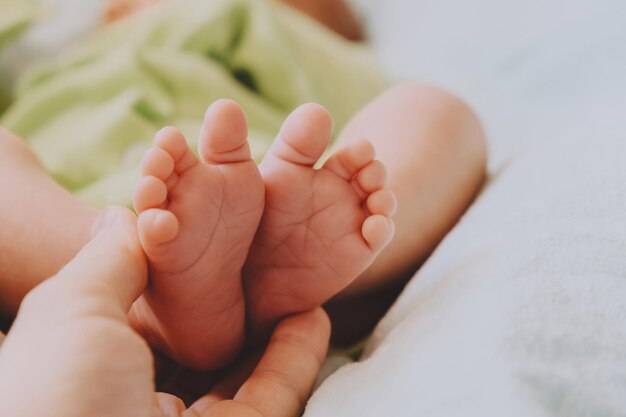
x=521, y=311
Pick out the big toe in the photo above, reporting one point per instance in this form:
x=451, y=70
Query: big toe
x=224, y=134
x=304, y=135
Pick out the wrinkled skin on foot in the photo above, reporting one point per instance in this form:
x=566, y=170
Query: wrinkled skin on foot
x=196, y=222
x=321, y=227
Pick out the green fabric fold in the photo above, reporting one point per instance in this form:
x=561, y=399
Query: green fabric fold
x=91, y=114
x=15, y=17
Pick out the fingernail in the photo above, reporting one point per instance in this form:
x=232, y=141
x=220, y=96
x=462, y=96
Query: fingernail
x=111, y=217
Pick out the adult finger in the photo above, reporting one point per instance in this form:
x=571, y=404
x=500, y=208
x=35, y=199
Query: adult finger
x=70, y=349
x=282, y=381
x=110, y=272
x=167, y=405
x=231, y=381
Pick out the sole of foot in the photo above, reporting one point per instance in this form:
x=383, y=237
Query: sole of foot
x=197, y=219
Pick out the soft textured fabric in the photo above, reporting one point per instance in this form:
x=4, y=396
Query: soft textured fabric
x=521, y=311
x=15, y=17
x=59, y=25
x=91, y=114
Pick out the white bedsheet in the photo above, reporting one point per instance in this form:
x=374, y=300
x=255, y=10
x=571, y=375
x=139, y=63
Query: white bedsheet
x=521, y=311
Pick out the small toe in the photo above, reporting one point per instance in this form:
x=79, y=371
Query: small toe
x=224, y=134
x=304, y=136
x=372, y=177
x=156, y=226
x=172, y=141
x=157, y=163
x=348, y=161
x=378, y=231
x=382, y=202
x=150, y=192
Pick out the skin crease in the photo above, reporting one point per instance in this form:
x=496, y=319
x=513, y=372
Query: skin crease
x=77, y=374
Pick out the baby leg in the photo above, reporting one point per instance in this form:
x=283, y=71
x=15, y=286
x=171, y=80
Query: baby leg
x=42, y=226
x=434, y=149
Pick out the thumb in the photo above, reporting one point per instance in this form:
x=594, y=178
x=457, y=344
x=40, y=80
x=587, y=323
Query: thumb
x=110, y=270
x=70, y=350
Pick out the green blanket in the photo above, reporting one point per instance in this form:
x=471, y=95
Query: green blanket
x=15, y=17
x=91, y=114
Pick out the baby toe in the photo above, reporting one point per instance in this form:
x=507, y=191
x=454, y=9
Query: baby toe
x=224, y=135
x=382, y=202
x=150, y=192
x=372, y=177
x=172, y=141
x=348, y=161
x=157, y=163
x=304, y=136
x=378, y=231
x=155, y=227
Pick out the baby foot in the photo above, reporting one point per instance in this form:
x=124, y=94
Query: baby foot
x=196, y=223
x=321, y=228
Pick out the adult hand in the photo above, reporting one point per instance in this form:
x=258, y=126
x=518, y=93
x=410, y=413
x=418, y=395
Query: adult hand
x=71, y=351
